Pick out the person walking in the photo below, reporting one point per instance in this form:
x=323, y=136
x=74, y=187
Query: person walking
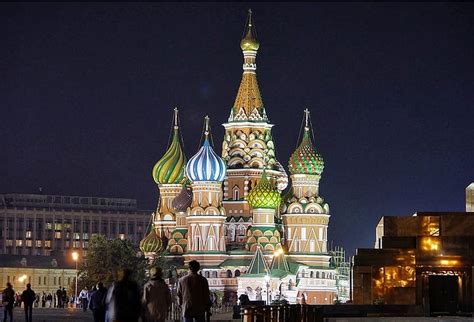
x=97, y=303
x=64, y=298
x=83, y=295
x=156, y=297
x=194, y=295
x=123, y=299
x=8, y=299
x=59, y=297
x=28, y=297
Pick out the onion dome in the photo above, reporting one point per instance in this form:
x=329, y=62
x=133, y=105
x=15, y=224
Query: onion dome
x=206, y=165
x=249, y=42
x=305, y=159
x=152, y=243
x=183, y=200
x=264, y=195
x=170, y=168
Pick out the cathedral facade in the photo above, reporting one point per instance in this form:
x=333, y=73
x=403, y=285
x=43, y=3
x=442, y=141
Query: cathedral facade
x=253, y=229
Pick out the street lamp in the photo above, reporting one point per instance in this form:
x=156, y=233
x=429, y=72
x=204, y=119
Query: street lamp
x=267, y=282
x=75, y=258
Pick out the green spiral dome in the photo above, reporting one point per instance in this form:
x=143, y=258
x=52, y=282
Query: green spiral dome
x=152, y=243
x=170, y=168
x=264, y=195
x=305, y=159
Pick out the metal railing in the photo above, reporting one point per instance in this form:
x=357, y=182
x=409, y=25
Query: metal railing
x=282, y=313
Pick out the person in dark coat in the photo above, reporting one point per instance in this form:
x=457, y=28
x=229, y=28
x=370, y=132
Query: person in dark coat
x=97, y=303
x=8, y=299
x=194, y=295
x=28, y=297
x=59, y=298
x=123, y=299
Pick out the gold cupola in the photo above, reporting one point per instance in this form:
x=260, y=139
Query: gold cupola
x=249, y=42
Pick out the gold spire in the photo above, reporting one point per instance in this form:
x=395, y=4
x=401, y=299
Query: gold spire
x=250, y=42
x=248, y=105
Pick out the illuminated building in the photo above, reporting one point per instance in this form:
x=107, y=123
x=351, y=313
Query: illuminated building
x=44, y=273
x=228, y=211
x=426, y=259
x=34, y=224
x=470, y=198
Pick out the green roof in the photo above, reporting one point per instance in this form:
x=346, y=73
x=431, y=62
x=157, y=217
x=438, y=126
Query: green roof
x=279, y=263
x=234, y=262
x=258, y=266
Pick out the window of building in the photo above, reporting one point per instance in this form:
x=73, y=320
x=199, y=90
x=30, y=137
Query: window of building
x=44, y=280
x=28, y=234
x=39, y=280
x=47, y=243
x=236, y=192
x=57, y=235
x=29, y=243
x=59, y=280
x=54, y=281
x=49, y=225
x=9, y=242
x=19, y=242
x=38, y=243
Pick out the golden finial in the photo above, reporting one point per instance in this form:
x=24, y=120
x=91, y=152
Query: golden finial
x=249, y=42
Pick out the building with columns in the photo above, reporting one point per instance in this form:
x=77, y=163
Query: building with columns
x=232, y=212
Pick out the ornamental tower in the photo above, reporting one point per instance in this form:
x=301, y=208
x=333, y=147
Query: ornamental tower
x=264, y=200
x=178, y=242
x=168, y=174
x=248, y=145
x=305, y=214
x=206, y=215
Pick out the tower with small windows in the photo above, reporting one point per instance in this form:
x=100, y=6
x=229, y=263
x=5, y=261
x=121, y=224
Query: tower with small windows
x=168, y=174
x=206, y=215
x=305, y=213
x=248, y=145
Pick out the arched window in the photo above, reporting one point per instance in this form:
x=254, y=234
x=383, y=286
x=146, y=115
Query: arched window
x=236, y=192
x=229, y=273
x=311, y=274
x=206, y=273
x=317, y=274
x=237, y=273
x=323, y=275
x=214, y=274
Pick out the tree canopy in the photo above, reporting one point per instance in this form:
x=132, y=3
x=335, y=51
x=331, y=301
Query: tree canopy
x=104, y=257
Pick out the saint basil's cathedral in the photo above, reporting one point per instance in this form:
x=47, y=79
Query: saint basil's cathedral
x=231, y=213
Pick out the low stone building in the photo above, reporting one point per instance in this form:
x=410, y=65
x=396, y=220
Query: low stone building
x=44, y=273
x=426, y=259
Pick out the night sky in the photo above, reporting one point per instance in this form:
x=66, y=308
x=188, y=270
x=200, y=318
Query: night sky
x=87, y=92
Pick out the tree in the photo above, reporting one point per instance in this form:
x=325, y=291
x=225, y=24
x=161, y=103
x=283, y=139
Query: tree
x=104, y=257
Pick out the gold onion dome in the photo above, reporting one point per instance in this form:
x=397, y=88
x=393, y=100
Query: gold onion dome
x=264, y=195
x=305, y=159
x=249, y=42
x=152, y=243
x=170, y=168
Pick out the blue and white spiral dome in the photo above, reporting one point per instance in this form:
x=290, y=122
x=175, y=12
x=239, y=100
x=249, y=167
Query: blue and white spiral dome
x=206, y=165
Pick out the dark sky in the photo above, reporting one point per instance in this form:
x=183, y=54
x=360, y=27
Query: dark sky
x=87, y=90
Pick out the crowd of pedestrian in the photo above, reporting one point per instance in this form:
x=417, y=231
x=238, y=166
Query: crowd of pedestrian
x=125, y=300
